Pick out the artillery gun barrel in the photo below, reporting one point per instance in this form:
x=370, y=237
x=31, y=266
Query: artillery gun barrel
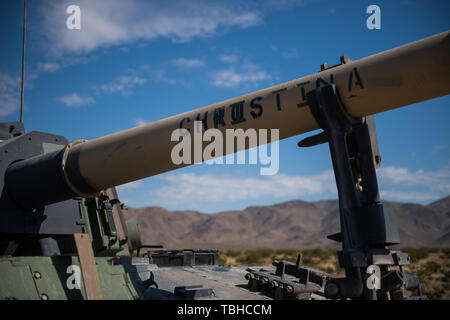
x=398, y=77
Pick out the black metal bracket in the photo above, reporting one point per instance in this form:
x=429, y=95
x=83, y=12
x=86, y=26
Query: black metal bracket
x=150, y=246
x=365, y=224
x=367, y=227
x=185, y=257
x=106, y=215
x=193, y=292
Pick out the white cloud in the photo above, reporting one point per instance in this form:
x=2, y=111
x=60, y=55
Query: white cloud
x=291, y=53
x=129, y=186
x=282, y=4
x=58, y=63
x=412, y=196
x=134, y=77
x=74, y=100
x=436, y=183
x=49, y=66
x=161, y=76
x=122, y=84
x=188, y=63
x=116, y=22
x=288, y=53
x=189, y=187
x=139, y=122
x=229, y=58
x=398, y=184
x=9, y=94
x=232, y=78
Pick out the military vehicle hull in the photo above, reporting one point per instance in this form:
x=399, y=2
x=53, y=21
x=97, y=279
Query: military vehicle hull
x=63, y=235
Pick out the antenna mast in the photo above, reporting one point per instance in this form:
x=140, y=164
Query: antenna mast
x=23, y=58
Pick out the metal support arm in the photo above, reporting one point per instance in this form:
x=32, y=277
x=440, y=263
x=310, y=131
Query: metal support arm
x=367, y=227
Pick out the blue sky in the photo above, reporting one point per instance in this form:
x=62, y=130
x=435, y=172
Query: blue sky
x=135, y=62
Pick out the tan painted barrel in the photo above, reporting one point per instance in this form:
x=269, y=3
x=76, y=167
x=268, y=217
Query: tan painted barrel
x=398, y=77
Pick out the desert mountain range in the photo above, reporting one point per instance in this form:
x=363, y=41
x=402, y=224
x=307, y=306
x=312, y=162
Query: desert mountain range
x=293, y=224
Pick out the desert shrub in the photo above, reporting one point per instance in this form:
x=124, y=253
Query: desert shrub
x=446, y=277
x=445, y=253
x=233, y=253
x=257, y=256
x=308, y=261
x=251, y=257
x=329, y=270
x=287, y=252
x=428, y=269
x=317, y=253
x=435, y=294
x=336, y=264
x=446, y=286
x=417, y=254
x=432, y=267
x=222, y=259
x=266, y=252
